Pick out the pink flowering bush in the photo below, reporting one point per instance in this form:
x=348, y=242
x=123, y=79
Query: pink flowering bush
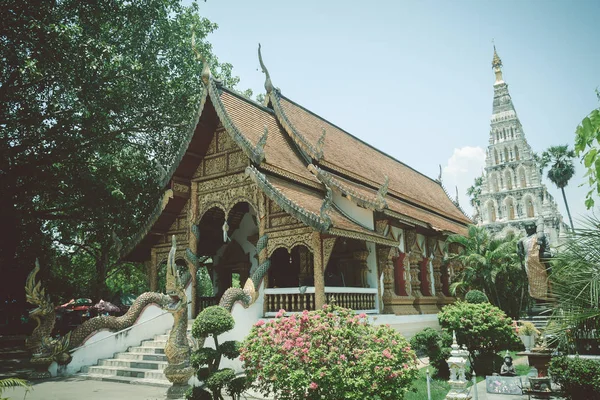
x=328, y=354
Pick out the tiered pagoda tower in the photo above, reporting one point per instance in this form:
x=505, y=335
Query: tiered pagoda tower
x=513, y=197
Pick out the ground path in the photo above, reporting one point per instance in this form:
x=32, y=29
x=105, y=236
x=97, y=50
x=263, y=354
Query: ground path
x=74, y=388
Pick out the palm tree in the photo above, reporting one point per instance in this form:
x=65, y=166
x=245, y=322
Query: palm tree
x=562, y=169
x=484, y=258
x=575, y=281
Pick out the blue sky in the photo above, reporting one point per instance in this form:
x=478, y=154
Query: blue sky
x=414, y=78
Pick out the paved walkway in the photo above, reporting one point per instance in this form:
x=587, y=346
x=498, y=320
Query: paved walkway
x=75, y=388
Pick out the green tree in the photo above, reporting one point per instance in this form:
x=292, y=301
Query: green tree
x=214, y=321
x=490, y=265
x=587, y=146
x=96, y=98
x=475, y=191
x=559, y=161
x=484, y=329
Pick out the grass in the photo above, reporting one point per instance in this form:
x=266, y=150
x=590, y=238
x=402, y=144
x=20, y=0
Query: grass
x=439, y=388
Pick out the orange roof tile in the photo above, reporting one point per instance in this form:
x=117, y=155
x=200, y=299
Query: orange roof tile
x=346, y=153
x=251, y=119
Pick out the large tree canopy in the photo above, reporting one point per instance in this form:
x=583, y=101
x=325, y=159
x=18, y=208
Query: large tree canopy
x=95, y=96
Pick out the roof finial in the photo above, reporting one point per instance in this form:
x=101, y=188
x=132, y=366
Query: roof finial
x=268, y=83
x=440, y=175
x=497, y=66
x=199, y=56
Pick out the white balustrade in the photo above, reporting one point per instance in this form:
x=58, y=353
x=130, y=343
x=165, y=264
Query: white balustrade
x=298, y=299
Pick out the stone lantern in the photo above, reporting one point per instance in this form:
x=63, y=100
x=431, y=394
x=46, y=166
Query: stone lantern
x=458, y=380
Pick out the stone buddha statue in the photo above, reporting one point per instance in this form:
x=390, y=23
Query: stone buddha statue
x=508, y=369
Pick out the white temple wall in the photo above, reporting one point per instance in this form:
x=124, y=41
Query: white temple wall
x=361, y=215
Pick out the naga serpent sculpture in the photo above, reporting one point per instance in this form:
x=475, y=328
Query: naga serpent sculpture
x=43, y=314
x=45, y=349
x=249, y=294
x=178, y=371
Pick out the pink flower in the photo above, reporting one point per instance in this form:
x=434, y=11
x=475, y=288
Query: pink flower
x=313, y=386
x=259, y=323
x=386, y=353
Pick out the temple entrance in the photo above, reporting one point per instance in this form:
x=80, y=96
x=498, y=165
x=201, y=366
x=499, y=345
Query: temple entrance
x=291, y=269
x=347, y=266
x=229, y=245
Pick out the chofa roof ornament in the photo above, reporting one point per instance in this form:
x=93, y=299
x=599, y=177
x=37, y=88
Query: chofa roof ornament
x=268, y=83
x=382, y=192
x=200, y=57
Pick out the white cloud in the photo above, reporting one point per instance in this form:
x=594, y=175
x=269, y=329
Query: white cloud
x=465, y=164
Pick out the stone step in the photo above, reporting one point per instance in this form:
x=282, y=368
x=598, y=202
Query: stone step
x=161, y=338
x=147, y=349
x=137, y=364
x=141, y=356
x=153, y=343
x=124, y=379
x=125, y=372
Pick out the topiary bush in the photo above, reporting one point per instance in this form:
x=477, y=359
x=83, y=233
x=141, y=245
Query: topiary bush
x=476, y=297
x=578, y=378
x=436, y=346
x=484, y=329
x=330, y=353
x=212, y=322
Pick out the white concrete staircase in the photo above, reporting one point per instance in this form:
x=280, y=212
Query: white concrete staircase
x=142, y=365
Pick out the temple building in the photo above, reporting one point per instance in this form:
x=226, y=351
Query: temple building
x=513, y=197
x=300, y=212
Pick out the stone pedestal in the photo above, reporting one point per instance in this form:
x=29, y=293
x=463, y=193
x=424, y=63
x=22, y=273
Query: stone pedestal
x=177, y=391
x=458, y=380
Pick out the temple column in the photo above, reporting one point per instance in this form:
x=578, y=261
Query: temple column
x=153, y=272
x=385, y=267
x=193, y=244
x=318, y=271
x=360, y=258
x=388, y=259
x=305, y=272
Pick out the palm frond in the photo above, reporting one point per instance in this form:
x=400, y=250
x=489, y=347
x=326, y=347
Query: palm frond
x=8, y=383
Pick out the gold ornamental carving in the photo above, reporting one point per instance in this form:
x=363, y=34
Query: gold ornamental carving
x=283, y=220
x=215, y=165
x=385, y=266
x=237, y=160
x=227, y=198
x=178, y=187
x=289, y=241
x=381, y=226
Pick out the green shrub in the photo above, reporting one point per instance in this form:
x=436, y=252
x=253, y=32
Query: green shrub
x=578, y=378
x=484, y=329
x=476, y=297
x=330, y=353
x=213, y=321
x=436, y=346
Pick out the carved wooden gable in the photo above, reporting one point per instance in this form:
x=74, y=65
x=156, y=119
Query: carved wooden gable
x=223, y=157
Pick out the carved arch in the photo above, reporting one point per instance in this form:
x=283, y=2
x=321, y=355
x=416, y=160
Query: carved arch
x=289, y=242
x=226, y=199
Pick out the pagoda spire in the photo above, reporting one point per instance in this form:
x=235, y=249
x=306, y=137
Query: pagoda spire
x=497, y=66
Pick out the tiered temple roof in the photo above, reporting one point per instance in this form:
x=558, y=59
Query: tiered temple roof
x=299, y=159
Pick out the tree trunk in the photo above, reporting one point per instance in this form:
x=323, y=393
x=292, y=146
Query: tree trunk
x=99, y=290
x=568, y=211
